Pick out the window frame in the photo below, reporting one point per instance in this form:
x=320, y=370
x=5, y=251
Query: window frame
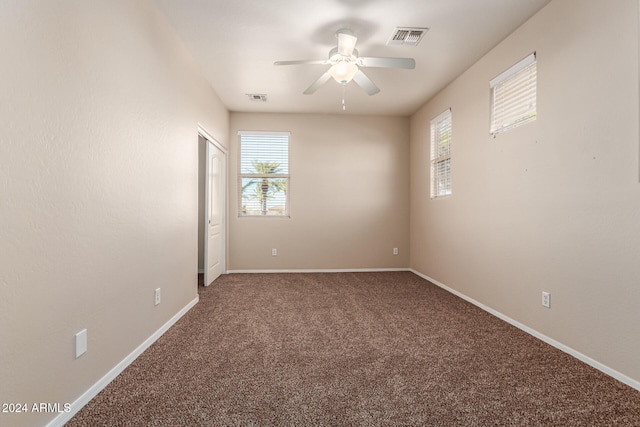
x=516, y=107
x=280, y=176
x=437, y=158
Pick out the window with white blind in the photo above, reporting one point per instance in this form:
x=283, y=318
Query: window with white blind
x=513, y=96
x=263, y=179
x=441, y=155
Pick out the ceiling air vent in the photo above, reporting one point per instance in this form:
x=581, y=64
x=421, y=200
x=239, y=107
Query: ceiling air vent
x=257, y=97
x=406, y=36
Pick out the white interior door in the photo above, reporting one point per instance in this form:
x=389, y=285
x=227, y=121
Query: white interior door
x=215, y=214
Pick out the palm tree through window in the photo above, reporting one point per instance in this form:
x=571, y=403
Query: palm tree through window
x=264, y=174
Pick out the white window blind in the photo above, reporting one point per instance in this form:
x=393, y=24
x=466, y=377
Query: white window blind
x=513, y=96
x=441, y=155
x=263, y=179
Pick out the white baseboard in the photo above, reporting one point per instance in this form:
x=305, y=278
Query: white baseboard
x=586, y=359
x=319, y=270
x=61, y=419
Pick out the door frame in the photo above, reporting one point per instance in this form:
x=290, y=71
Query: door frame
x=223, y=250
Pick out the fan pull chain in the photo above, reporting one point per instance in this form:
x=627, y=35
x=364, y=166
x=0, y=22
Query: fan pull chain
x=344, y=89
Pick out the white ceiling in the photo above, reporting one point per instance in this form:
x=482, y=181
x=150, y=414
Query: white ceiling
x=236, y=42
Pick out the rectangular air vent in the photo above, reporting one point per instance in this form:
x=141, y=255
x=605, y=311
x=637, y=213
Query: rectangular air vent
x=257, y=97
x=406, y=36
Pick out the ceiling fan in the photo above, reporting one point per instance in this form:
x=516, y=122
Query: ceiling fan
x=345, y=64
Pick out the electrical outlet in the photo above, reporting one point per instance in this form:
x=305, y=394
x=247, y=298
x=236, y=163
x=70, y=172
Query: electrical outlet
x=395, y=251
x=156, y=296
x=546, y=299
x=274, y=252
x=81, y=343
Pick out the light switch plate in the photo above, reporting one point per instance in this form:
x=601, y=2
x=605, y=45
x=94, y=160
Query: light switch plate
x=81, y=343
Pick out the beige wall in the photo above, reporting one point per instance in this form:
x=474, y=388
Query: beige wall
x=349, y=195
x=98, y=176
x=553, y=205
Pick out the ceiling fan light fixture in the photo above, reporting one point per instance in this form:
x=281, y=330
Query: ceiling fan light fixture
x=343, y=71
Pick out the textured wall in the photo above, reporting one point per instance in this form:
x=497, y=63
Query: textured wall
x=99, y=189
x=349, y=195
x=552, y=205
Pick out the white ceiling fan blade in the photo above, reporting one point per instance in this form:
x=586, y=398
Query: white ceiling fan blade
x=365, y=83
x=346, y=43
x=303, y=61
x=321, y=80
x=408, y=63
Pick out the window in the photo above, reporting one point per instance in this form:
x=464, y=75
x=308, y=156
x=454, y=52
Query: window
x=263, y=181
x=513, y=96
x=441, y=155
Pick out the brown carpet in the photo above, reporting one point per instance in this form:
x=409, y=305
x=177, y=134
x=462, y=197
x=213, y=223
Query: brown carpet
x=352, y=349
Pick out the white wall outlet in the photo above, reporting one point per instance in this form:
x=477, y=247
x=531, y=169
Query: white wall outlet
x=156, y=296
x=274, y=252
x=81, y=343
x=546, y=299
x=395, y=251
